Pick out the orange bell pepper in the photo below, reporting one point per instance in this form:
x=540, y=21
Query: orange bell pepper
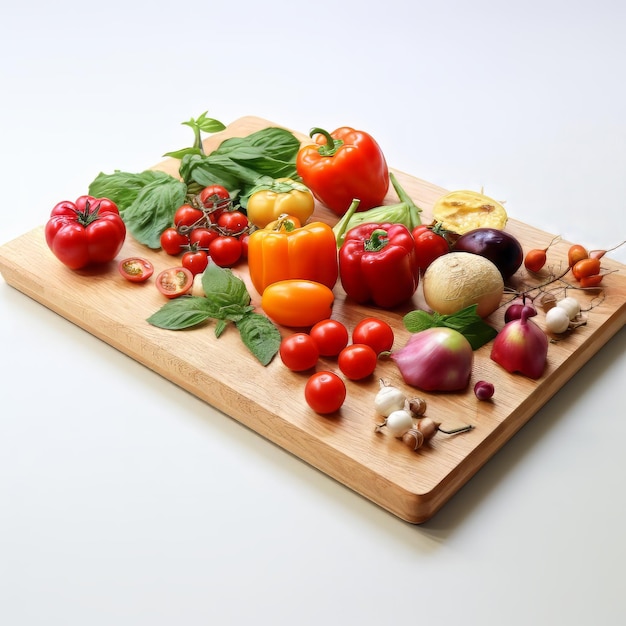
x=306, y=253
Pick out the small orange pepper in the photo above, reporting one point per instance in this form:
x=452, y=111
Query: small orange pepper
x=306, y=253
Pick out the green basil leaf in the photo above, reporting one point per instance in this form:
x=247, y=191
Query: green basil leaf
x=179, y=154
x=223, y=288
x=418, y=320
x=181, y=313
x=239, y=162
x=220, y=327
x=208, y=124
x=466, y=321
x=260, y=336
x=478, y=334
x=123, y=187
x=153, y=210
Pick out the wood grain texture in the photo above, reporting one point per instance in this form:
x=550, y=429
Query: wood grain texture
x=269, y=400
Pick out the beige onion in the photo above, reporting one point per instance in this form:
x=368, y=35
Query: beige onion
x=457, y=280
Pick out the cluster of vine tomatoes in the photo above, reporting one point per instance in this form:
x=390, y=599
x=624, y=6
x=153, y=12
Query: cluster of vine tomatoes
x=212, y=227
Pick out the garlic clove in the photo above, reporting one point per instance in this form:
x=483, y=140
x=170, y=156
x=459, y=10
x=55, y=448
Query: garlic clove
x=399, y=422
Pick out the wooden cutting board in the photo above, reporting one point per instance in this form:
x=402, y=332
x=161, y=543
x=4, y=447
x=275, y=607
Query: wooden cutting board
x=269, y=400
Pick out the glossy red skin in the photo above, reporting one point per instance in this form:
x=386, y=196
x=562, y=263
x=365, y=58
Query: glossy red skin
x=387, y=277
x=233, y=221
x=325, y=392
x=357, y=361
x=225, y=251
x=88, y=231
x=186, y=215
x=299, y=352
x=195, y=261
x=202, y=237
x=215, y=200
x=375, y=333
x=331, y=337
x=358, y=169
x=173, y=242
x=429, y=245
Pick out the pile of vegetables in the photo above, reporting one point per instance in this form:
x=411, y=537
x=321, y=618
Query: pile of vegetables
x=251, y=202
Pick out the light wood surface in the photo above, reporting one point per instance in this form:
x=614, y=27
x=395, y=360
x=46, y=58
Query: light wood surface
x=269, y=400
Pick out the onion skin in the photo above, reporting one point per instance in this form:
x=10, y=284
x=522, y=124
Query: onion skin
x=436, y=359
x=501, y=248
x=521, y=347
x=514, y=312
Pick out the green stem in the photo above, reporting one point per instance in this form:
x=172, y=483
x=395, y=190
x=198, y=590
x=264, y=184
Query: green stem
x=331, y=146
x=197, y=143
x=377, y=240
x=404, y=197
x=345, y=220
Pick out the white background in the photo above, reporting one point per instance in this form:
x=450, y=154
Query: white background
x=125, y=500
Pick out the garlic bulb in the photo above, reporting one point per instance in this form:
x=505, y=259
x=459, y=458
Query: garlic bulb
x=388, y=399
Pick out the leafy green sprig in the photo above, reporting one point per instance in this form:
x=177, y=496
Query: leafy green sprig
x=226, y=300
x=148, y=200
x=466, y=321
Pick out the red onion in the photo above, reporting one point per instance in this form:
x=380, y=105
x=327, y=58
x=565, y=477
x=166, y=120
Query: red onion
x=436, y=359
x=521, y=346
x=514, y=311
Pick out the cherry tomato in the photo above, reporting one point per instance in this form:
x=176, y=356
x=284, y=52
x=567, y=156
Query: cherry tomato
x=325, y=392
x=186, y=215
x=202, y=237
x=357, y=361
x=215, y=199
x=331, y=337
x=173, y=242
x=299, y=352
x=225, y=250
x=174, y=282
x=375, y=333
x=430, y=244
x=244, y=239
x=135, y=269
x=233, y=221
x=195, y=261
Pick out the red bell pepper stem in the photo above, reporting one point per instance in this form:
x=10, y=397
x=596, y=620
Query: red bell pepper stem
x=376, y=241
x=332, y=144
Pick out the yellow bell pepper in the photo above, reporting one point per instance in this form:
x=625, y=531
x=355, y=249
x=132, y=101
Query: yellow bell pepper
x=306, y=253
x=283, y=195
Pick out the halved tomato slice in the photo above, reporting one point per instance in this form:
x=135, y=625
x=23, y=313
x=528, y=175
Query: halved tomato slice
x=135, y=269
x=174, y=282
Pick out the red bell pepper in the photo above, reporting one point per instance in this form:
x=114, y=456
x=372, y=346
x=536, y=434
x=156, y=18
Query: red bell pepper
x=344, y=165
x=378, y=264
